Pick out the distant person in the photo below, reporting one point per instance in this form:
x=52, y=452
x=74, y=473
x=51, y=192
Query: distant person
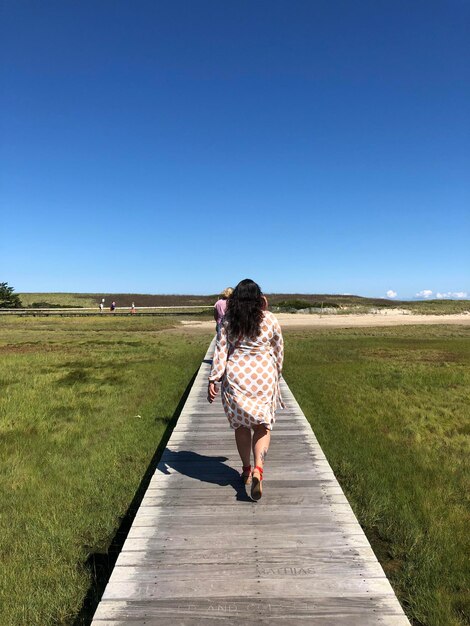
x=221, y=306
x=248, y=364
x=101, y=307
x=133, y=311
x=112, y=308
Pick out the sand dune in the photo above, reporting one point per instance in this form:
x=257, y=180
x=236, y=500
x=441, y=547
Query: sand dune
x=299, y=320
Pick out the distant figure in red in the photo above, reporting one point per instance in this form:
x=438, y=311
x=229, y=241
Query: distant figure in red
x=133, y=311
x=221, y=306
x=112, y=308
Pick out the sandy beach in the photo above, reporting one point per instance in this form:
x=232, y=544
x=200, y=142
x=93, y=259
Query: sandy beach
x=299, y=320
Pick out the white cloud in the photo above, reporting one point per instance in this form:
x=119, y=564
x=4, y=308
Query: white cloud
x=391, y=293
x=451, y=294
x=425, y=293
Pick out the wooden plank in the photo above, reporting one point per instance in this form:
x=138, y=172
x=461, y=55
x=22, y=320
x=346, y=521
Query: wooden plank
x=145, y=538
x=194, y=502
x=225, y=472
x=152, y=539
x=284, y=486
x=199, y=550
x=296, y=568
x=215, y=620
x=345, y=610
x=250, y=605
x=210, y=514
x=135, y=589
x=239, y=555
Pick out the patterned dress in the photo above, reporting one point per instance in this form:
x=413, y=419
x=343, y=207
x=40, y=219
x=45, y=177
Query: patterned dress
x=249, y=370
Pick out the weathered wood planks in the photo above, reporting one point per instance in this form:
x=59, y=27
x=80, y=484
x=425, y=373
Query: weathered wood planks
x=200, y=551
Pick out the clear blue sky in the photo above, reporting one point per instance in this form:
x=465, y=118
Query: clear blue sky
x=178, y=146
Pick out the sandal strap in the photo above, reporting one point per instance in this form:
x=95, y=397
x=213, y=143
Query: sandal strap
x=260, y=470
x=246, y=468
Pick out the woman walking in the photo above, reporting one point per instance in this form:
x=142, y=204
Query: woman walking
x=221, y=306
x=248, y=364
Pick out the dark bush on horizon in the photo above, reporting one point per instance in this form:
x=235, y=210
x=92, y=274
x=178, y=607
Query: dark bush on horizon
x=303, y=304
x=8, y=299
x=48, y=305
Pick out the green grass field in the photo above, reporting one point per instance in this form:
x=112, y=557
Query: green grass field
x=390, y=408
x=83, y=406
x=121, y=299
x=85, y=403
x=62, y=299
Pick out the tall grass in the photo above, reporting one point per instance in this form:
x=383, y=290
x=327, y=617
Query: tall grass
x=83, y=406
x=390, y=409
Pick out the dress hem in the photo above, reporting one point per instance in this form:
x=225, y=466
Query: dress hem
x=251, y=426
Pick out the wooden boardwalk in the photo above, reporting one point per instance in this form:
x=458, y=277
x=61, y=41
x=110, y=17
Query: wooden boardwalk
x=199, y=551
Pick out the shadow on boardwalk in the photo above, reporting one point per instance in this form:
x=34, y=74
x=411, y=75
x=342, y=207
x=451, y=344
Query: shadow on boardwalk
x=208, y=469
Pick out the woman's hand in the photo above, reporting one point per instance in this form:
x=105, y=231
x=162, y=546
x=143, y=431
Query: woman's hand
x=211, y=392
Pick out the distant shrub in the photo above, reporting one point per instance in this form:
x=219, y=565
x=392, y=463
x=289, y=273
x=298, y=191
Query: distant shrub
x=326, y=305
x=293, y=304
x=303, y=304
x=49, y=305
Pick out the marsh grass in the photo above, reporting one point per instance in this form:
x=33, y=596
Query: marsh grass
x=390, y=409
x=389, y=406
x=83, y=406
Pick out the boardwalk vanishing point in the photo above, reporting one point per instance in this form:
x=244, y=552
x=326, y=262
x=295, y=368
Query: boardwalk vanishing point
x=200, y=551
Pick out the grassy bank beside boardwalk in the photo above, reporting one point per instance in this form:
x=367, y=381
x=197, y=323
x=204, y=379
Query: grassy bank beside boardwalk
x=83, y=406
x=390, y=408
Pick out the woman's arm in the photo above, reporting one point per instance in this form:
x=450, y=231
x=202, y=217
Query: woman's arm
x=219, y=362
x=277, y=343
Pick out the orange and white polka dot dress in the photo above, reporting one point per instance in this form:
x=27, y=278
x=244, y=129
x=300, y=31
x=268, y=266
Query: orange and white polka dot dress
x=249, y=371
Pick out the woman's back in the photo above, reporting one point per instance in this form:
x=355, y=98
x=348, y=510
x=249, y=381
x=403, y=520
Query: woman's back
x=262, y=342
x=249, y=369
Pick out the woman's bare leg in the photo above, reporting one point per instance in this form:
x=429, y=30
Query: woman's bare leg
x=243, y=439
x=261, y=441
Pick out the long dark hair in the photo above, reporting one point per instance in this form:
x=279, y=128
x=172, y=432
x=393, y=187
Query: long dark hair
x=245, y=309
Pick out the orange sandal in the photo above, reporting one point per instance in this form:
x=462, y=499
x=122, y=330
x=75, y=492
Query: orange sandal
x=256, y=486
x=246, y=474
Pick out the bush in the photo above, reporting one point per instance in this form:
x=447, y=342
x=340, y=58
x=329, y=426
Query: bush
x=303, y=304
x=48, y=305
x=8, y=299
